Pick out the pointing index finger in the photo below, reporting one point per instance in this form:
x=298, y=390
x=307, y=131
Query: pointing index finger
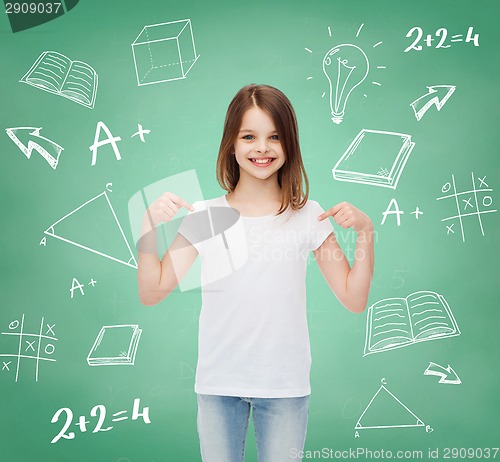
x=179, y=201
x=330, y=212
x=336, y=209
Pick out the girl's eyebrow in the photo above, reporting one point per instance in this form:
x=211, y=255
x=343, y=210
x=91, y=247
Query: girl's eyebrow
x=247, y=130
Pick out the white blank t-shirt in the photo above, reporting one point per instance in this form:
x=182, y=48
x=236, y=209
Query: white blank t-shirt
x=253, y=334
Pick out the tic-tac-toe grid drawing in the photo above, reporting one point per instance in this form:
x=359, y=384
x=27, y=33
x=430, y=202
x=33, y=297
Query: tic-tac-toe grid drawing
x=473, y=202
x=22, y=347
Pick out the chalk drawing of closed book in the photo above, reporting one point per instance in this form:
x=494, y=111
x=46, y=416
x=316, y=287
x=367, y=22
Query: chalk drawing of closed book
x=374, y=157
x=115, y=345
x=55, y=73
x=399, y=322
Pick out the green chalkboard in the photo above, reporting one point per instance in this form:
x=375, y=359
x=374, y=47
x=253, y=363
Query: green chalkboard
x=416, y=148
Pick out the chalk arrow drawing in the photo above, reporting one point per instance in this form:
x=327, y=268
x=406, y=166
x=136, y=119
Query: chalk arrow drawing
x=446, y=374
x=28, y=139
x=437, y=94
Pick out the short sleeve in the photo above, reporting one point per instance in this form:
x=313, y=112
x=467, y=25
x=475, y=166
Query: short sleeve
x=318, y=230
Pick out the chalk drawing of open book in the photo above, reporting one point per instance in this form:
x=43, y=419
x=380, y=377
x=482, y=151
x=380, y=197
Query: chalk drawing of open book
x=56, y=73
x=399, y=322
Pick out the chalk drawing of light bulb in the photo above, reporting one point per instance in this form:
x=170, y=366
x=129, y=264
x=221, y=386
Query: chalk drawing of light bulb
x=345, y=67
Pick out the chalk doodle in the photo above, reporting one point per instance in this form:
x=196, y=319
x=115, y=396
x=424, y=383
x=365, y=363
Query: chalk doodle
x=394, y=209
x=38, y=347
x=446, y=374
x=385, y=410
x=375, y=158
x=141, y=133
x=441, y=34
x=56, y=73
x=98, y=411
x=28, y=139
x=417, y=212
x=400, y=322
x=474, y=202
x=81, y=228
x=77, y=285
x=346, y=66
x=115, y=345
x=437, y=95
x=164, y=52
x=112, y=140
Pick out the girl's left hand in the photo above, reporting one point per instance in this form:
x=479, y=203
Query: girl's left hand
x=348, y=216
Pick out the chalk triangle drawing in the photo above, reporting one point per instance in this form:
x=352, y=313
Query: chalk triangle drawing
x=386, y=411
x=93, y=226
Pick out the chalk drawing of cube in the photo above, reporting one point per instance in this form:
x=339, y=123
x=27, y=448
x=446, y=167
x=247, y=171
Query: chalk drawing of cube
x=164, y=52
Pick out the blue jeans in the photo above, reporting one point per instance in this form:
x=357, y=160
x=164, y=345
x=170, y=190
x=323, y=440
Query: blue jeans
x=280, y=427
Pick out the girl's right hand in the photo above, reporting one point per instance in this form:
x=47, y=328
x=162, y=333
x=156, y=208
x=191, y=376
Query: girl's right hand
x=165, y=208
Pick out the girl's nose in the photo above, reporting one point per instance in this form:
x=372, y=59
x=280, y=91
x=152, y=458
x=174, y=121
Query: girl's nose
x=262, y=147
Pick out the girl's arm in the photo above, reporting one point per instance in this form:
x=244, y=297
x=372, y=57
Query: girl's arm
x=157, y=279
x=350, y=285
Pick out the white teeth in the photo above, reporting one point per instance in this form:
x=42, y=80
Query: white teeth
x=262, y=161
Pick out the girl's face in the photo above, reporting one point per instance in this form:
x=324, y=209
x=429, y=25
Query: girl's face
x=257, y=147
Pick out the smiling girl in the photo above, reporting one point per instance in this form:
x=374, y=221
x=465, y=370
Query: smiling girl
x=253, y=350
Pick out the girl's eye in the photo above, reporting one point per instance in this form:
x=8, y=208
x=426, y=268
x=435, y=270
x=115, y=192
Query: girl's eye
x=251, y=137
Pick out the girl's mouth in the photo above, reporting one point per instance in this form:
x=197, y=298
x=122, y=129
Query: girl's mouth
x=262, y=161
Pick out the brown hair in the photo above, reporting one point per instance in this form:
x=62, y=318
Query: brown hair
x=278, y=107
